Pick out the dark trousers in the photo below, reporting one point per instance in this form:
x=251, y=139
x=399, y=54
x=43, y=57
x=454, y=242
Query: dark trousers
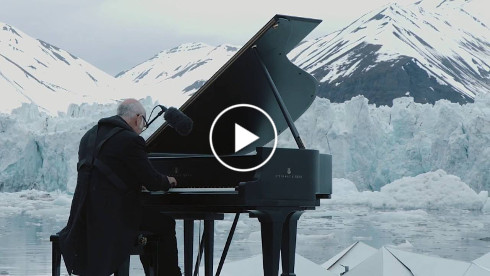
x=164, y=226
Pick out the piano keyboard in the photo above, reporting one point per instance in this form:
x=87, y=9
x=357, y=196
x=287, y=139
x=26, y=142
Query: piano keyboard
x=198, y=190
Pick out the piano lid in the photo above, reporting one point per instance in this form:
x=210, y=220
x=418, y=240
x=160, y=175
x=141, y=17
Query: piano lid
x=242, y=80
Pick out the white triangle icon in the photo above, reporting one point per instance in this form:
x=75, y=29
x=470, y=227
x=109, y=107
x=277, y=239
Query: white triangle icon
x=243, y=137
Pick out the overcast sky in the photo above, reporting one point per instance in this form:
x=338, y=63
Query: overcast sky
x=115, y=35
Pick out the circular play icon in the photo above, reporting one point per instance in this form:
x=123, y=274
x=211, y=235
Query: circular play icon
x=238, y=130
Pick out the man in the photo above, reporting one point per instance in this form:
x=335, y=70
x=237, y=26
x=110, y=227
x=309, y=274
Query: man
x=106, y=216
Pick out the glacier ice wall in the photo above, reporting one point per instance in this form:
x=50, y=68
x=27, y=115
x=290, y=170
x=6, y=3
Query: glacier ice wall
x=40, y=151
x=370, y=146
x=375, y=146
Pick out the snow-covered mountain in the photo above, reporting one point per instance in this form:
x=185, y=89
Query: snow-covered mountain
x=173, y=75
x=400, y=140
x=430, y=50
x=34, y=71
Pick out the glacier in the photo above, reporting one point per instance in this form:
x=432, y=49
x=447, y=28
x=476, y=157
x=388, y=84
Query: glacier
x=375, y=146
x=40, y=151
x=371, y=146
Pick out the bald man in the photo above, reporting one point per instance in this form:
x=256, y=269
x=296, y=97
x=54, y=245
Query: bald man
x=106, y=216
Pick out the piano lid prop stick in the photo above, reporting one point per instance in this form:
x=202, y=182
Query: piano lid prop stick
x=279, y=100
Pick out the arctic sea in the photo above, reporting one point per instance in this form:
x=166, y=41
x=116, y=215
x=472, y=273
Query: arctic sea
x=452, y=233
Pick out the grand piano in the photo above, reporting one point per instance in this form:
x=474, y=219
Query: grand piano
x=292, y=181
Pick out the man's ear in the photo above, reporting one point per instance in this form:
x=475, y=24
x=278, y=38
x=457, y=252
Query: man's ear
x=136, y=121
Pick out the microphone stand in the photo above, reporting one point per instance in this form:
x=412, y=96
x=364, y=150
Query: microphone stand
x=158, y=115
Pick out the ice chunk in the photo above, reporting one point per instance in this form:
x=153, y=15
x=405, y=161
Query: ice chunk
x=432, y=190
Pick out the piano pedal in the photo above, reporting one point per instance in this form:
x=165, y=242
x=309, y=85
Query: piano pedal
x=142, y=240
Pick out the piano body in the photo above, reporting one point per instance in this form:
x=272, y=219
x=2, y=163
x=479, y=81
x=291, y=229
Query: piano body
x=292, y=181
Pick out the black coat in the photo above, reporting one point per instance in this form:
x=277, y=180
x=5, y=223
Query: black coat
x=104, y=220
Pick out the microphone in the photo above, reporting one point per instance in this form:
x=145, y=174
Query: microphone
x=178, y=120
x=175, y=118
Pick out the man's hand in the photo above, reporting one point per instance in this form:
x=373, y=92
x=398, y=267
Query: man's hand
x=172, y=181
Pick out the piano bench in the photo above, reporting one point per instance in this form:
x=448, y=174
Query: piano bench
x=144, y=239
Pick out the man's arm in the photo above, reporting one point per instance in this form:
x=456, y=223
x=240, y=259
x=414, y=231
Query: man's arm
x=141, y=167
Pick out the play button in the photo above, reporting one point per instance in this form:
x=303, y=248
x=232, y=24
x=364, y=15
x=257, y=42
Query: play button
x=243, y=137
x=237, y=132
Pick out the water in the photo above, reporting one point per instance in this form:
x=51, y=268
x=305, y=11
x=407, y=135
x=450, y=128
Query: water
x=458, y=234
x=454, y=234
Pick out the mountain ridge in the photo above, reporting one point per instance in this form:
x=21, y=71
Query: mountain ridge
x=395, y=51
x=428, y=50
x=402, y=36
x=35, y=71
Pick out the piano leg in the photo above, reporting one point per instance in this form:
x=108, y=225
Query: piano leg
x=207, y=241
x=208, y=247
x=188, y=246
x=288, y=248
x=271, y=225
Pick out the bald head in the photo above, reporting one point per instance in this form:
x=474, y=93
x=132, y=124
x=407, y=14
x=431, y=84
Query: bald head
x=133, y=112
x=129, y=108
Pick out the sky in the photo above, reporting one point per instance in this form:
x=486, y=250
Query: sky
x=115, y=35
